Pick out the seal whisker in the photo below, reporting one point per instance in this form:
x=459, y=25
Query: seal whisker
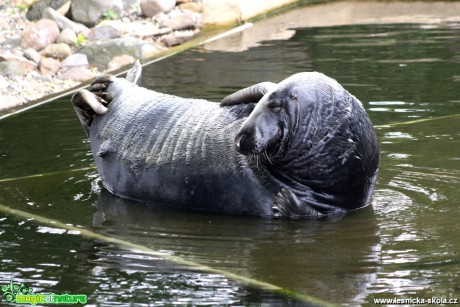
x=257, y=158
x=297, y=117
x=267, y=157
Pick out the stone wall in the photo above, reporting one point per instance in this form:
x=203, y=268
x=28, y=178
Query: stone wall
x=220, y=12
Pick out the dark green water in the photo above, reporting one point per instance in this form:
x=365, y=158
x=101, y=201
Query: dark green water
x=407, y=245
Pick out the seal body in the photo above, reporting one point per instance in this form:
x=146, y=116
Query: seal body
x=307, y=148
x=169, y=150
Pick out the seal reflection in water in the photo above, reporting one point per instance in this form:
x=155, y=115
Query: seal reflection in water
x=303, y=147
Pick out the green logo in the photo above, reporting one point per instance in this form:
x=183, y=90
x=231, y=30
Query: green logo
x=20, y=294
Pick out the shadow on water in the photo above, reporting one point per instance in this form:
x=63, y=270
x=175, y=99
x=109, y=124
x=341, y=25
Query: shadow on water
x=274, y=251
x=406, y=246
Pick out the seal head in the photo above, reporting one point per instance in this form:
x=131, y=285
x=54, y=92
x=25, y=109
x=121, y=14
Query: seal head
x=317, y=142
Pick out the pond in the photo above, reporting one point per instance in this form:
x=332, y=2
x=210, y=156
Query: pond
x=405, y=246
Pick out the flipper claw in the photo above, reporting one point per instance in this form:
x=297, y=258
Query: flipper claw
x=87, y=105
x=288, y=205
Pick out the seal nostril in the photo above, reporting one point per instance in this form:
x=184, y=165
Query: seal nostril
x=238, y=141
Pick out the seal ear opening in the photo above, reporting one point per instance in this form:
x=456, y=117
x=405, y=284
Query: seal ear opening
x=249, y=94
x=87, y=105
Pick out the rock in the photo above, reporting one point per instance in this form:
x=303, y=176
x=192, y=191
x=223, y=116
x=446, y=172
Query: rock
x=7, y=68
x=49, y=66
x=142, y=28
x=76, y=73
x=101, y=53
x=57, y=51
x=128, y=4
x=145, y=28
x=3, y=85
x=76, y=59
x=121, y=61
x=160, y=18
x=40, y=34
x=21, y=64
x=196, y=7
x=63, y=10
x=99, y=33
x=162, y=31
x=120, y=26
x=181, y=20
x=32, y=55
x=151, y=8
x=89, y=12
x=17, y=52
x=68, y=37
x=65, y=23
x=176, y=38
x=36, y=10
x=7, y=102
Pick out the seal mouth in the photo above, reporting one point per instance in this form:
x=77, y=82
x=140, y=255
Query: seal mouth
x=277, y=148
x=274, y=145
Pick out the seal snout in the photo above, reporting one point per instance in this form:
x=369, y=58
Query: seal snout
x=258, y=136
x=249, y=142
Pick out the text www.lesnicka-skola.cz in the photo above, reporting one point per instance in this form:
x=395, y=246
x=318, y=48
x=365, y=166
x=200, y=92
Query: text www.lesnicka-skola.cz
x=415, y=301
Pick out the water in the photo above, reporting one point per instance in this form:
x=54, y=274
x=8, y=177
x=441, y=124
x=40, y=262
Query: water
x=406, y=245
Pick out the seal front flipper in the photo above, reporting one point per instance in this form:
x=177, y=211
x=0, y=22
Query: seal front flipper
x=105, y=149
x=288, y=205
x=107, y=87
x=249, y=94
x=99, y=88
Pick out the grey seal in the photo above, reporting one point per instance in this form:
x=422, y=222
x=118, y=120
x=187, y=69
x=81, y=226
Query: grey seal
x=303, y=147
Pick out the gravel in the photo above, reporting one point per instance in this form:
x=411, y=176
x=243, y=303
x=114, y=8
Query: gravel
x=18, y=90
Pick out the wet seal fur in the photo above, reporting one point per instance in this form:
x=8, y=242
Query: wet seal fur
x=304, y=147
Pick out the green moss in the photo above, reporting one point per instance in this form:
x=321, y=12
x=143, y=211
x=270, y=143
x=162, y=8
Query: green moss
x=81, y=39
x=22, y=6
x=110, y=15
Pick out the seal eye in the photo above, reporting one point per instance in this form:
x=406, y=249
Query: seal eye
x=274, y=106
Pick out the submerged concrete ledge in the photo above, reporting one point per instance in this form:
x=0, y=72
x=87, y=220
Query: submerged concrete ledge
x=340, y=13
x=331, y=13
x=218, y=12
